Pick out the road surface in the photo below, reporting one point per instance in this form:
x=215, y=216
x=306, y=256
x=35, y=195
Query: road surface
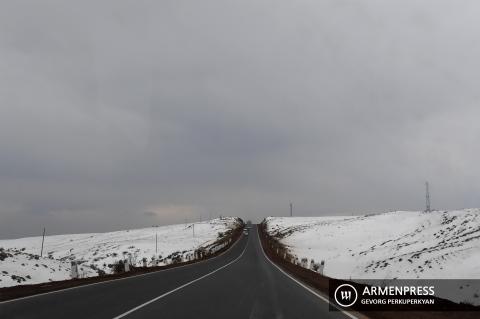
x=241, y=283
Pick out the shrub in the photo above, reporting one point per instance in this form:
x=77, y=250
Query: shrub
x=18, y=279
x=3, y=255
x=118, y=267
x=176, y=259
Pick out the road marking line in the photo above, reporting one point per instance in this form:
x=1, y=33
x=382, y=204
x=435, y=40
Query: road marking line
x=302, y=284
x=180, y=287
x=112, y=280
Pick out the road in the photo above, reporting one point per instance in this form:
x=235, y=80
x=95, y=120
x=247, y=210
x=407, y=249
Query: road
x=241, y=283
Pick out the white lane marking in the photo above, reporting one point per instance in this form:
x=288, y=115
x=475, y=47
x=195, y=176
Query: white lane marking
x=112, y=280
x=303, y=285
x=180, y=287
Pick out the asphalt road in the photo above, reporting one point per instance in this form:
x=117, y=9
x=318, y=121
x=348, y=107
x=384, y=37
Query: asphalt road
x=241, y=283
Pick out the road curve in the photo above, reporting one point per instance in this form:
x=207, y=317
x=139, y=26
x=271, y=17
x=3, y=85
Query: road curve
x=241, y=283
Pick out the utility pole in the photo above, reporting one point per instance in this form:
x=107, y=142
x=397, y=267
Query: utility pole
x=291, y=209
x=43, y=239
x=156, y=244
x=427, y=198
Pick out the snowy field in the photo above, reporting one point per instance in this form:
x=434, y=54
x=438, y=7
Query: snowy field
x=20, y=262
x=403, y=245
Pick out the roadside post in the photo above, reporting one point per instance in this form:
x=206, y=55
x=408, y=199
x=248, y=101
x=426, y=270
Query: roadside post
x=73, y=270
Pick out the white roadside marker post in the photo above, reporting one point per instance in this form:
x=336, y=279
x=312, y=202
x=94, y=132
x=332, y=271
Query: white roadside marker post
x=127, y=265
x=74, y=270
x=304, y=262
x=322, y=266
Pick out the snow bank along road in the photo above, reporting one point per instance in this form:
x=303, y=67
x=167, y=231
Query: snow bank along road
x=98, y=252
x=402, y=245
x=241, y=283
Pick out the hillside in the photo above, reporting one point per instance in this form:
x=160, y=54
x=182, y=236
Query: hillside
x=403, y=245
x=20, y=262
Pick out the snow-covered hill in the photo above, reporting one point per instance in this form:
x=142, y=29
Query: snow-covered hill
x=404, y=245
x=20, y=262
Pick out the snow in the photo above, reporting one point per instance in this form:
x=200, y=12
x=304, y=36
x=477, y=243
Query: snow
x=96, y=251
x=401, y=244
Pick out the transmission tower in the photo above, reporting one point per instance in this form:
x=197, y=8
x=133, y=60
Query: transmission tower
x=427, y=198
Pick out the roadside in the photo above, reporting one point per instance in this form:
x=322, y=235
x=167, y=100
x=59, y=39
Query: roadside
x=218, y=248
x=276, y=252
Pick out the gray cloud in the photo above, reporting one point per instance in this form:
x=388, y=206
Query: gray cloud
x=189, y=110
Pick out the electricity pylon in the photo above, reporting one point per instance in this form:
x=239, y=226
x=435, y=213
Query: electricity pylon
x=427, y=198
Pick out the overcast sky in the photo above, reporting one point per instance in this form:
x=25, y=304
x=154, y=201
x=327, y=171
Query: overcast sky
x=125, y=114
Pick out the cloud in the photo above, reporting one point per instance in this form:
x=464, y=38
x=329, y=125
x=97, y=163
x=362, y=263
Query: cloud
x=184, y=109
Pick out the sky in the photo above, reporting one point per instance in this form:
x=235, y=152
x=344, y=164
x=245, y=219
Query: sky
x=125, y=114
